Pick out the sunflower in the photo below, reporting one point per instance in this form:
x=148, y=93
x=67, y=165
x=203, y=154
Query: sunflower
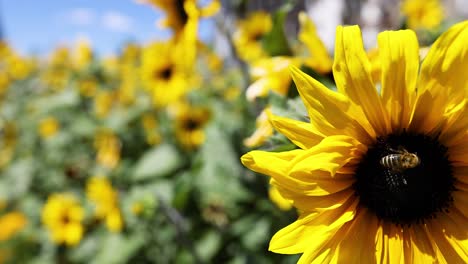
x=189, y=125
x=180, y=13
x=48, y=127
x=63, y=216
x=107, y=146
x=11, y=223
x=101, y=193
x=380, y=176
x=250, y=32
x=423, y=14
x=164, y=73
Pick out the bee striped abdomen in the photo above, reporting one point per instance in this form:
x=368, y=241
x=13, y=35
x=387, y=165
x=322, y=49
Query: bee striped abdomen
x=392, y=161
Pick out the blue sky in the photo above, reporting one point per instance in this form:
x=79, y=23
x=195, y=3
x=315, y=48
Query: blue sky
x=39, y=26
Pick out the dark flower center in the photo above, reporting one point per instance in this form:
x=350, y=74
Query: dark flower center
x=165, y=74
x=405, y=178
x=191, y=124
x=179, y=5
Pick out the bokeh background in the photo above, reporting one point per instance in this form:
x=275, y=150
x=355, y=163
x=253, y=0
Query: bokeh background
x=122, y=123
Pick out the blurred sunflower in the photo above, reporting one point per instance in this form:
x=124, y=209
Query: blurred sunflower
x=378, y=176
x=249, y=34
x=48, y=127
x=103, y=102
x=108, y=146
x=164, y=73
x=150, y=126
x=179, y=13
x=83, y=54
x=8, y=141
x=63, y=216
x=11, y=223
x=189, y=125
x=263, y=130
x=100, y=191
x=422, y=14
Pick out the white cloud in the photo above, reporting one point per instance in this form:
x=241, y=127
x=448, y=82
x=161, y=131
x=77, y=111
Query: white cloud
x=80, y=16
x=116, y=21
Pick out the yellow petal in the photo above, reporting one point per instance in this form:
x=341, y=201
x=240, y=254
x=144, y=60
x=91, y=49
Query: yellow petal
x=454, y=130
x=211, y=9
x=420, y=249
x=73, y=233
x=428, y=112
x=445, y=65
x=358, y=243
x=461, y=173
x=389, y=244
x=352, y=72
x=307, y=203
x=449, y=255
x=269, y=163
x=450, y=229
x=330, y=113
x=312, y=230
x=398, y=51
x=300, y=133
x=314, y=172
x=458, y=154
x=319, y=59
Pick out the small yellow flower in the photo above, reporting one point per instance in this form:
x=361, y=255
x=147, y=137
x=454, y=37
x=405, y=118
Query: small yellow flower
x=189, y=125
x=63, y=215
x=249, y=34
x=423, y=14
x=48, y=127
x=108, y=147
x=7, y=143
x=100, y=191
x=11, y=223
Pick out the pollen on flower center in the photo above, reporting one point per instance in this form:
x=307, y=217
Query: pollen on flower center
x=402, y=192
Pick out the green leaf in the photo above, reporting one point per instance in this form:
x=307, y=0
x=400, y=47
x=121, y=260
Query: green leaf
x=157, y=162
x=208, y=245
x=275, y=42
x=115, y=248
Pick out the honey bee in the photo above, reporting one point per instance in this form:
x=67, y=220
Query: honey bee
x=400, y=161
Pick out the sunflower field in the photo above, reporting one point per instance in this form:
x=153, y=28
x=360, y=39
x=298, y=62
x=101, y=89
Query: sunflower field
x=265, y=145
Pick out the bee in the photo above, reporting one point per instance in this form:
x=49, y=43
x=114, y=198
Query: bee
x=400, y=161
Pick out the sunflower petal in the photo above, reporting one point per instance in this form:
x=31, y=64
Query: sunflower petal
x=453, y=226
x=389, y=244
x=312, y=230
x=398, y=51
x=422, y=250
x=359, y=238
x=446, y=64
x=352, y=72
x=300, y=133
x=450, y=255
x=330, y=112
x=314, y=172
x=273, y=164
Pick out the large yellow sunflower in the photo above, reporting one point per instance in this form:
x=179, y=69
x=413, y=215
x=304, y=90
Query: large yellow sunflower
x=379, y=177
